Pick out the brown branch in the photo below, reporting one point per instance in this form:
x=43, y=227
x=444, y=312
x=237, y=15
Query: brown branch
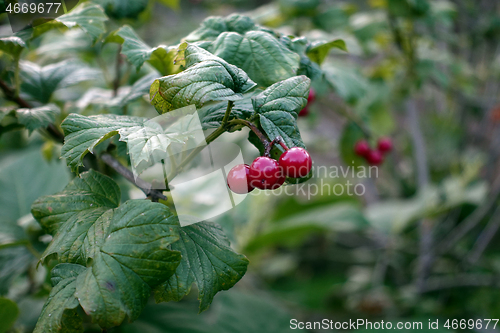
x=127, y=174
x=11, y=95
x=265, y=141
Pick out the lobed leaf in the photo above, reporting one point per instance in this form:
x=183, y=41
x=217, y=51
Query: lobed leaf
x=87, y=16
x=259, y=54
x=142, y=135
x=37, y=118
x=59, y=314
x=12, y=45
x=72, y=208
x=130, y=251
x=213, y=26
x=207, y=260
x=138, y=52
x=207, y=78
x=278, y=107
x=41, y=82
x=318, y=51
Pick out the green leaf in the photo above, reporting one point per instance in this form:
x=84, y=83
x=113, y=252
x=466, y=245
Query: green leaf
x=130, y=251
x=207, y=260
x=59, y=314
x=41, y=82
x=211, y=115
x=37, y=118
x=213, y=26
x=263, y=57
x=87, y=16
x=71, y=210
x=12, y=45
x=279, y=106
x=123, y=9
x=26, y=176
x=318, y=51
x=207, y=78
x=138, y=52
x=8, y=314
x=142, y=135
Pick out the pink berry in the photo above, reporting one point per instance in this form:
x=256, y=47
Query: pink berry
x=374, y=157
x=384, y=145
x=238, y=180
x=362, y=148
x=296, y=162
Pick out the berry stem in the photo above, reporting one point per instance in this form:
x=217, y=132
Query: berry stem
x=279, y=140
x=260, y=135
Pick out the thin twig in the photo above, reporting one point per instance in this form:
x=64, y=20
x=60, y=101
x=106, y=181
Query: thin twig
x=461, y=280
x=485, y=238
x=11, y=95
x=127, y=174
x=469, y=223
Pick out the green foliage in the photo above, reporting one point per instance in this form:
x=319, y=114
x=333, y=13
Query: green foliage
x=138, y=52
x=278, y=107
x=206, y=78
x=87, y=16
x=8, y=314
x=37, y=118
x=59, y=314
x=207, y=260
x=41, y=82
x=12, y=46
x=259, y=54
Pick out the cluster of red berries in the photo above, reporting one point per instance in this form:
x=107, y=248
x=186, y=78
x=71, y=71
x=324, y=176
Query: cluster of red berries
x=268, y=174
x=373, y=156
x=310, y=99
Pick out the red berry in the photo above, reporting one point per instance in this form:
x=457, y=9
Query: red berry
x=374, y=157
x=264, y=173
x=296, y=162
x=279, y=182
x=384, y=145
x=312, y=96
x=304, y=112
x=238, y=180
x=362, y=148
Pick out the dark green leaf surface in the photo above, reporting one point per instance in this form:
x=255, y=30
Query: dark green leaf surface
x=82, y=200
x=120, y=9
x=87, y=16
x=263, y=57
x=143, y=137
x=207, y=260
x=8, y=314
x=37, y=118
x=12, y=45
x=130, y=251
x=318, y=51
x=211, y=115
x=59, y=312
x=278, y=107
x=207, y=78
x=41, y=82
x=215, y=25
x=138, y=52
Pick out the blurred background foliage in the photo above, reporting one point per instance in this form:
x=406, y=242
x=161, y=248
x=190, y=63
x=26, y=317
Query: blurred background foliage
x=421, y=242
